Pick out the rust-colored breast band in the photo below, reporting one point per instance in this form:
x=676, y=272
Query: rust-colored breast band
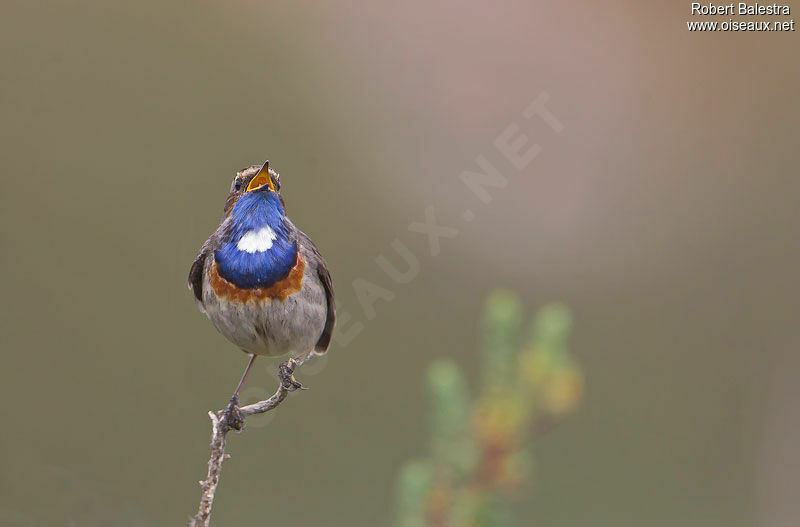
x=279, y=290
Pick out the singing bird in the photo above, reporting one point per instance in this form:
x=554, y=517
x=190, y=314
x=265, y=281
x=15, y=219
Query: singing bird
x=261, y=281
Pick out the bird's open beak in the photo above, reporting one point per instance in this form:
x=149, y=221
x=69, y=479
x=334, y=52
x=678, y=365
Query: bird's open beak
x=262, y=180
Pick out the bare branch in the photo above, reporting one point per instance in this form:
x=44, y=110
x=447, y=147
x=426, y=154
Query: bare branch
x=219, y=429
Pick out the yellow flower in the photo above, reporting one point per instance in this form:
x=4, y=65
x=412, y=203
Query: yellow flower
x=563, y=391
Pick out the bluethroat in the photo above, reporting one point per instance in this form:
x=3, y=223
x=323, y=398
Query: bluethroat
x=262, y=282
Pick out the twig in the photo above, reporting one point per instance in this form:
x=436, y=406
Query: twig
x=219, y=429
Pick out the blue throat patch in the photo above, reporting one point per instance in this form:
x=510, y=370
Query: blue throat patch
x=261, y=268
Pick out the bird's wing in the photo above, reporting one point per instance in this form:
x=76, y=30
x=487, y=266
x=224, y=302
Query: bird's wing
x=327, y=284
x=325, y=277
x=199, y=264
x=196, y=273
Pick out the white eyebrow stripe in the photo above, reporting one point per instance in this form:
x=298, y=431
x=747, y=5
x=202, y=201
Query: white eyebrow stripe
x=257, y=241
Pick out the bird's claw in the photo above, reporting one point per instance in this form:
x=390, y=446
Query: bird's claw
x=286, y=375
x=232, y=417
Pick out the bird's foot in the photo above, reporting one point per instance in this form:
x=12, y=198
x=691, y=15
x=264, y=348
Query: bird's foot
x=231, y=416
x=285, y=374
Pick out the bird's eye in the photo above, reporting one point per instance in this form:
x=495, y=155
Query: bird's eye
x=237, y=185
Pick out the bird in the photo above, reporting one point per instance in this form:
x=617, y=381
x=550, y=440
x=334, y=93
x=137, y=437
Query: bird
x=262, y=282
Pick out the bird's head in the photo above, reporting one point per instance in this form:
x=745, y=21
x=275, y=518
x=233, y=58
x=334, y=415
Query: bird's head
x=257, y=179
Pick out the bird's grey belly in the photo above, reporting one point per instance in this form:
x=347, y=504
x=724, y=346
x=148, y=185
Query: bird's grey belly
x=271, y=326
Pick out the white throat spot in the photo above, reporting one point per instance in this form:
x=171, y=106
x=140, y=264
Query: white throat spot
x=257, y=241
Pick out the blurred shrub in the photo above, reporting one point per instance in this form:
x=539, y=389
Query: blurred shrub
x=479, y=456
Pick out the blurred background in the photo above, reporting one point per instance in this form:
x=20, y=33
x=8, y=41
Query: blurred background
x=664, y=215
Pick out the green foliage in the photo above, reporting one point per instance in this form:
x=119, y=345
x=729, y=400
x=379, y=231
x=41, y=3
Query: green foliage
x=501, y=328
x=451, y=444
x=479, y=456
x=413, y=489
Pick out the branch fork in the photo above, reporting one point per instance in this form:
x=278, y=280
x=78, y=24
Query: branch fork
x=232, y=418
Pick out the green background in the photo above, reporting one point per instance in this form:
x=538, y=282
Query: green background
x=665, y=215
